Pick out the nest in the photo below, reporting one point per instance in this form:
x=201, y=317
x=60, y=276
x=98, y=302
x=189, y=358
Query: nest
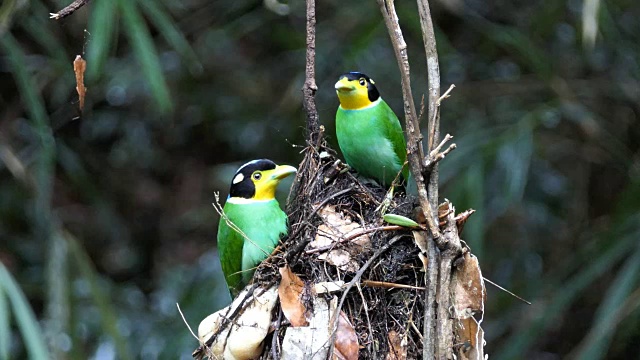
x=380, y=307
x=385, y=302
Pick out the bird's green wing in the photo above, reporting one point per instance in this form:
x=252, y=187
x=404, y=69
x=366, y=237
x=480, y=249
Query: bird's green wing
x=394, y=133
x=230, y=244
x=262, y=222
x=266, y=224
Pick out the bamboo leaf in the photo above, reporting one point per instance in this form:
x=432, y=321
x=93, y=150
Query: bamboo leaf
x=171, y=34
x=598, y=340
x=25, y=318
x=102, y=24
x=522, y=340
x=145, y=52
x=101, y=299
x=400, y=220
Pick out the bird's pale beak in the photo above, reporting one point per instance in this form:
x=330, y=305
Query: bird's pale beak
x=282, y=171
x=344, y=86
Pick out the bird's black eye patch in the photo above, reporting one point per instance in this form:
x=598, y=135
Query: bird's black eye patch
x=362, y=81
x=242, y=185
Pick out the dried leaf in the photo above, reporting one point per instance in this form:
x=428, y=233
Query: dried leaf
x=425, y=262
x=469, y=287
x=79, y=67
x=421, y=240
x=397, y=346
x=346, y=345
x=470, y=334
x=462, y=218
x=242, y=338
x=311, y=342
x=340, y=259
x=469, y=298
x=336, y=227
x=444, y=209
x=328, y=287
x=290, y=291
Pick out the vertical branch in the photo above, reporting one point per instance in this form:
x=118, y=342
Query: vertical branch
x=309, y=88
x=415, y=153
x=433, y=71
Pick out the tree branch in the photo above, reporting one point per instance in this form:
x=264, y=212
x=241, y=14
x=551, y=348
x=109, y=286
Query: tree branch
x=415, y=152
x=69, y=9
x=309, y=88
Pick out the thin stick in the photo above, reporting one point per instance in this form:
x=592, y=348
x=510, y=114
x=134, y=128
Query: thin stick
x=507, y=291
x=186, y=323
x=388, y=285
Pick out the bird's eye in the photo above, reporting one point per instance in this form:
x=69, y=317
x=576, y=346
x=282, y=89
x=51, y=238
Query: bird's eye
x=362, y=81
x=257, y=176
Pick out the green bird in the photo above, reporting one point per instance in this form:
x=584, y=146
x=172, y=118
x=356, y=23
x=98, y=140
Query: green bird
x=254, y=221
x=368, y=131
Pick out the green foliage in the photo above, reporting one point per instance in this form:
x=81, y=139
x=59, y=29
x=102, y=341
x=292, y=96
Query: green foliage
x=24, y=316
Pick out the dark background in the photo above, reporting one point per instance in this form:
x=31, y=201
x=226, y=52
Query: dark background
x=106, y=220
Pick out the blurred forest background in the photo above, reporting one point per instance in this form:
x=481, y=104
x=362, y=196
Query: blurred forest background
x=106, y=220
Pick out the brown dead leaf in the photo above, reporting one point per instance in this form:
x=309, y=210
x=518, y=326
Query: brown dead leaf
x=444, y=210
x=79, y=67
x=397, y=346
x=470, y=334
x=340, y=259
x=469, y=298
x=336, y=228
x=469, y=287
x=462, y=218
x=421, y=240
x=290, y=292
x=346, y=345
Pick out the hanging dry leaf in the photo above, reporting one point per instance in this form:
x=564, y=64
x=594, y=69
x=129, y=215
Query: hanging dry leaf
x=290, y=291
x=470, y=334
x=469, y=298
x=397, y=346
x=462, y=218
x=421, y=240
x=469, y=288
x=79, y=67
x=346, y=345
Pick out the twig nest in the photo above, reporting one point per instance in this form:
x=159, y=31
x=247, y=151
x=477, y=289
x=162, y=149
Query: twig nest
x=243, y=338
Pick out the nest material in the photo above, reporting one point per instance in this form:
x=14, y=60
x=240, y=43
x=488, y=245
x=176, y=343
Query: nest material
x=374, y=311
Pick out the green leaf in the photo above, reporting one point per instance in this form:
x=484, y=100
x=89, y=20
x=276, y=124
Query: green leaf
x=25, y=318
x=400, y=220
x=171, y=33
x=521, y=341
x=102, y=24
x=101, y=299
x=596, y=343
x=144, y=50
